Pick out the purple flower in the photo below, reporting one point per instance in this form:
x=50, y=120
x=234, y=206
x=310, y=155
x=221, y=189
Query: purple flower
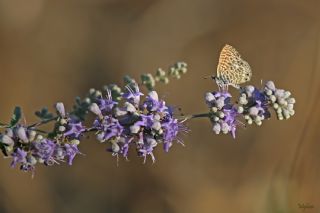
x=133, y=94
x=44, y=150
x=19, y=156
x=106, y=105
x=152, y=103
x=74, y=129
x=108, y=127
x=171, y=128
x=223, y=114
x=71, y=150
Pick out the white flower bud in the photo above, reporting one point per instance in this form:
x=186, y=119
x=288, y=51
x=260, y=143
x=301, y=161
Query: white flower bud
x=273, y=98
x=291, y=100
x=7, y=140
x=153, y=95
x=243, y=100
x=22, y=135
x=259, y=123
x=87, y=100
x=160, y=131
x=100, y=137
x=157, y=117
x=290, y=106
x=63, y=121
x=254, y=111
x=275, y=106
x=282, y=102
x=98, y=93
x=115, y=147
x=249, y=121
x=271, y=85
x=291, y=112
x=39, y=137
x=249, y=89
x=119, y=112
x=94, y=108
x=287, y=94
x=268, y=92
x=156, y=125
x=210, y=97
x=32, y=135
x=240, y=109
x=9, y=132
x=91, y=91
x=31, y=160
x=75, y=142
x=129, y=107
x=225, y=128
x=216, y=128
x=62, y=128
x=279, y=93
x=60, y=109
x=220, y=102
x=214, y=109
x=134, y=129
x=221, y=114
x=215, y=118
x=152, y=142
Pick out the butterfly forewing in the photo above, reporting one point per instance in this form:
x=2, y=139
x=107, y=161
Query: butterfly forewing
x=232, y=69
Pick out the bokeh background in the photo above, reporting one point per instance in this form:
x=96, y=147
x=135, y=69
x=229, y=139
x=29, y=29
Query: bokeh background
x=55, y=50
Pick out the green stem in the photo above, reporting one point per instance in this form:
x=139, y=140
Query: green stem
x=201, y=115
x=42, y=122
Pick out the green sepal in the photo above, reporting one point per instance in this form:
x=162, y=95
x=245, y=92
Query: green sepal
x=17, y=114
x=44, y=114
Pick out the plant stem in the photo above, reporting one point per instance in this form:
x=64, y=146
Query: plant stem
x=43, y=122
x=201, y=115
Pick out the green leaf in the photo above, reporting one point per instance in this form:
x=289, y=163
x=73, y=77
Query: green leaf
x=44, y=114
x=3, y=125
x=16, y=116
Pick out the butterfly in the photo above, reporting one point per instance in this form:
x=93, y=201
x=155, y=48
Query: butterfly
x=232, y=69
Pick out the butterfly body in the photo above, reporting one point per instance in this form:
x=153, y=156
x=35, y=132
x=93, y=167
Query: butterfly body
x=232, y=69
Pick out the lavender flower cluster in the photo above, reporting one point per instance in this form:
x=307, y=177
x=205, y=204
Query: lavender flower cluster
x=122, y=120
x=253, y=106
x=127, y=119
x=141, y=124
x=28, y=147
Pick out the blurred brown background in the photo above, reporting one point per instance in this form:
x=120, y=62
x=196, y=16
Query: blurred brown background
x=55, y=50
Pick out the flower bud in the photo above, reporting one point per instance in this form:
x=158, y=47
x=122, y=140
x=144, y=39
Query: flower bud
x=22, y=135
x=254, y=111
x=60, y=109
x=7, y=140
x=153, y=95
x=271, y=85
x=130, y=107
x=210, y=97
x=62, y=128
x=156, y=125
x=32, y=135
x=94, y=108
x=75, y=142
x=216, y=128
x=134, y=129
x=115, y=147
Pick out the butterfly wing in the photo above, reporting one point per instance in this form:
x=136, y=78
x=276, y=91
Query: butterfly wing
x=232, y=68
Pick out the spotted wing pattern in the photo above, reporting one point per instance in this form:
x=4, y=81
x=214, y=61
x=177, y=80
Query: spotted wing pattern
x=232, y=69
